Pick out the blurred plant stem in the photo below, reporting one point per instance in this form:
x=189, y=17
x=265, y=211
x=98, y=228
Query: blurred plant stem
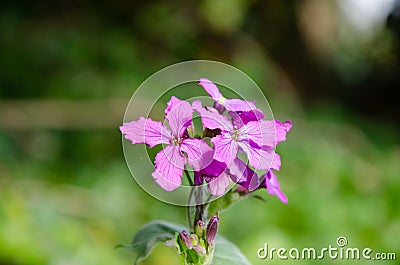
x=196, y=207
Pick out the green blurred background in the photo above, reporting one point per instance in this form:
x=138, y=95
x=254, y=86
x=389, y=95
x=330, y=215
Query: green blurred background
x=68, y=69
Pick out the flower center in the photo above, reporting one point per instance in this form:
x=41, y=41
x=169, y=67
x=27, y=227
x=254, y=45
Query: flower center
x=221, y=100
x=176, y=141
x=235, y=134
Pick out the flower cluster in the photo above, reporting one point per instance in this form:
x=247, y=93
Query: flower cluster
x=234, y=126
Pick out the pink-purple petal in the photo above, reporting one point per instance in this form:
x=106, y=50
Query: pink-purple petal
x=171, y=104
x=240, y=118
x=274, y=131
x=266, y=132
x=259, y=158
x=169, y=164
x=146, y=131
x=276, y=162
x=261, y=132
x=225, y=148
x=215, y=168
x=210, y=88
x=211, y=118
x=179, y=116
x=239, y=105
x=243, y=175
x=198, y=178
x=273, y=186
x=281, y=129
x=198, y=152
x=217, y=185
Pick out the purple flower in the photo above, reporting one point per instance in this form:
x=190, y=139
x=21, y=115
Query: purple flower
x=170, y=161
x=247, y=109
x=256, y=138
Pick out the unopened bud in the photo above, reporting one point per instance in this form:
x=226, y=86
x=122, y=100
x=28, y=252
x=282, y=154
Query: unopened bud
x=199, y=249
x=212, y=229
x=185, y=238
x=199, y=228
x=195, y=239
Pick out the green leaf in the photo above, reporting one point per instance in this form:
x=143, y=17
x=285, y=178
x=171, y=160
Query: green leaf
x=149, y=236
x=227, y=253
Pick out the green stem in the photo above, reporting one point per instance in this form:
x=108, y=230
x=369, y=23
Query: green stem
x=196, y=212
x=188, y=211
x=188, y=178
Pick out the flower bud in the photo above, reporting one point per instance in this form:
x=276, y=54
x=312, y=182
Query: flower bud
x=200, y=250
x=199, y=228
x=185, y=238
x=195, y=239
x=212, y=229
